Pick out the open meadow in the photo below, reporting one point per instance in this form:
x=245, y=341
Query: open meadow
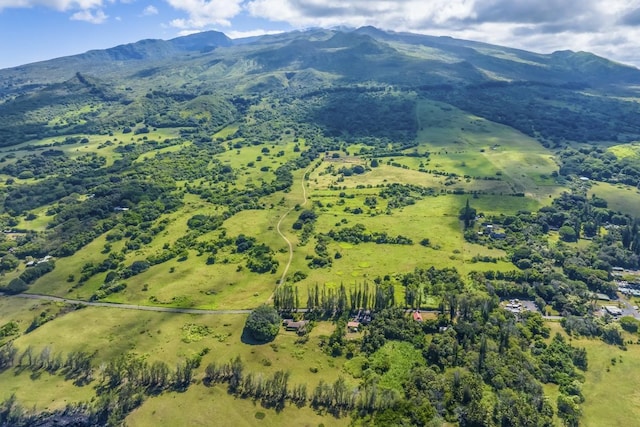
x=619, y=197
x=610, y=387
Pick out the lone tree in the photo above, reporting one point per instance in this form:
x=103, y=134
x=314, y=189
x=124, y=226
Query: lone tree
x=263, y=323
x=568, y=233
x=468, y=215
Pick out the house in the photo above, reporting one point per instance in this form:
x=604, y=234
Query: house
x=613, y=310
x=363, y=317
x=417, y=316
x=353, y=326
x=291, y=325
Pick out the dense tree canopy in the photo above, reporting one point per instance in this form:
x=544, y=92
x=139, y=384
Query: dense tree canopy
x=263, y=323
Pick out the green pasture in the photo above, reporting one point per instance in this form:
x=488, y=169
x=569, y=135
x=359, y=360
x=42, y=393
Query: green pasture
x=42, y=391
x=96, y=144
x=401, y=358
x=626, y=150
x=170, y=337
x=18, y=309
x=610, y=390
x=248, y=161
x=204, y=406
x=193, y=283
x=152, y=154
x=469, y=145
x=435, y=218
x=111, y=332
x=619, y=197
x=21, y=311
x=56, y=282
x=226, y=132
x=38, y=224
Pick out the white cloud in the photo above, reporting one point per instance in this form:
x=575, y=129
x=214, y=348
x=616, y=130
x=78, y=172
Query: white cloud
x=97, y=17
x=251, y=33
x=62, y=5
x=202, y=13
x=382, y=13
x=150, y=10
x=605, y=28
x=189, y=32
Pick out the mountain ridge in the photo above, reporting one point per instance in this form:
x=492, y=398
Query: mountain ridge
x=310, y=63
x=208, y=41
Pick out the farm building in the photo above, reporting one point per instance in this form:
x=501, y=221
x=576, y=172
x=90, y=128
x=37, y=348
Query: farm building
x=294, y=326
x=353, y=326
x=613, y=310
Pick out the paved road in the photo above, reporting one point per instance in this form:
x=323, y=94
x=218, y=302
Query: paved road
x=175, y=309
x=627, y=306
x=129, y=306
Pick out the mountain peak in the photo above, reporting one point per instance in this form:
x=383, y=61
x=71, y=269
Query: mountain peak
x=204, y=41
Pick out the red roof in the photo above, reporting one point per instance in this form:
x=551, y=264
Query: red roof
x=417, y=316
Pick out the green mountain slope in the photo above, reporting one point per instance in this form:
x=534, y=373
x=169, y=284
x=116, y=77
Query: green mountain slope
x=506, y=81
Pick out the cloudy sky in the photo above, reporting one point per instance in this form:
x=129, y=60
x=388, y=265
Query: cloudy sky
x=33, y=30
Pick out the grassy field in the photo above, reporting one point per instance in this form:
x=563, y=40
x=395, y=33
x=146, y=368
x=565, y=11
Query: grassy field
x=619, y=197
x=170, y=337
x=97, y=144
x=202, y=406
x=469, y=145
x=610, y=389
x=42, y=392
x=626, y=150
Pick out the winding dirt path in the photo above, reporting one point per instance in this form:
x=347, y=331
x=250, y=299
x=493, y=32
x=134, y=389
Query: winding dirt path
x=176, y=309
x=285, y=238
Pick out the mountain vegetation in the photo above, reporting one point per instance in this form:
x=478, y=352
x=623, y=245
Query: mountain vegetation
x=446, y=218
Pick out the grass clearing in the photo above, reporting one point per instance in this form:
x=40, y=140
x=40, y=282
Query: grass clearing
x=625, y=150
x=170, y=337
x=619, y=197
x=202, y=405
x=396, y=359
x=610, y=389
x=470, y=145
x=43, y=391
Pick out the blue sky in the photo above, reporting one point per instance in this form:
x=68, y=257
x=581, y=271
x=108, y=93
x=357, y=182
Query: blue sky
x=33, y=30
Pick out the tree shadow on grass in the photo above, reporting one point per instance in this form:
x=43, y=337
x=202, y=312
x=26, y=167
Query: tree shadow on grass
x=247, y=338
